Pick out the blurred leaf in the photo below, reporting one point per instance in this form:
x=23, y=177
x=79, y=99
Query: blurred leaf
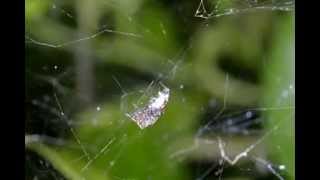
x=239, y=39
x=279, y=93
x=120, y=149
x=36, y=9
x=62, y=162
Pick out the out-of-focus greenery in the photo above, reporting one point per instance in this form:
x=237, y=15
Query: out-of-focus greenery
x=190, y=52
x=135, y=153
x=279, y=92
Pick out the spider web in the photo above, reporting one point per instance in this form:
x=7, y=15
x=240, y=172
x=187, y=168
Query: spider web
x=234, y=7
x=226, y=123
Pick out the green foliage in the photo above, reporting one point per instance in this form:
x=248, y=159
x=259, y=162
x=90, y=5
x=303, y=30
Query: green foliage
x=132, y=152
x=279, y=92
x=115, y=145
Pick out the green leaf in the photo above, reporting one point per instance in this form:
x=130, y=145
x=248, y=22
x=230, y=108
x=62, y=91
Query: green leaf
x=279, y=95
x=117, y=147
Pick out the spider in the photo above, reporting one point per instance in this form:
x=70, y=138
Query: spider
x=149, y=114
